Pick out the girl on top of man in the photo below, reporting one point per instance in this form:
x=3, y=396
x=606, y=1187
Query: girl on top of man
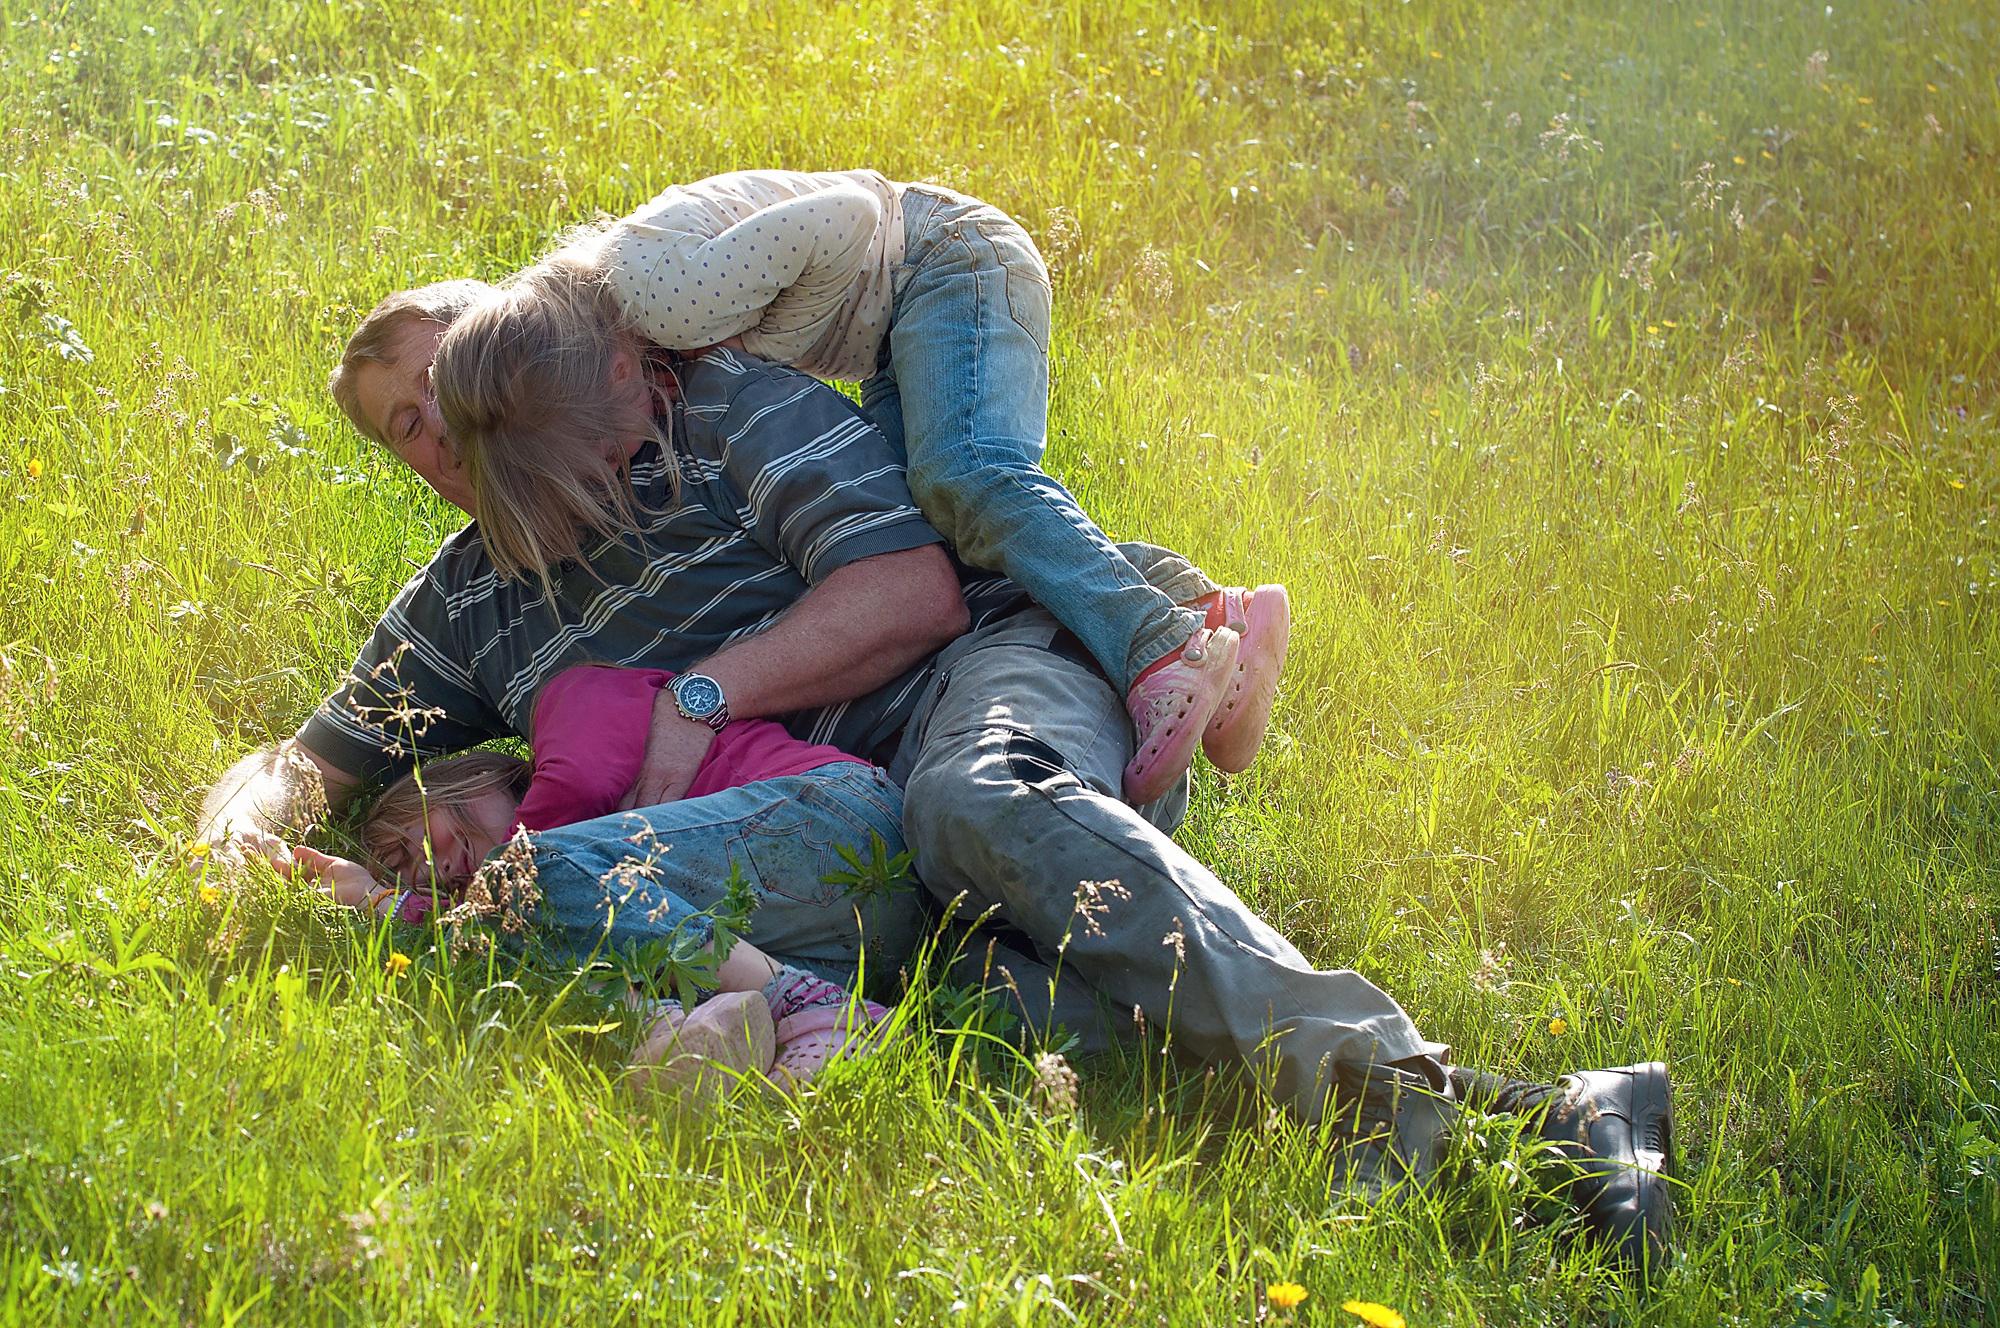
x=939, y=304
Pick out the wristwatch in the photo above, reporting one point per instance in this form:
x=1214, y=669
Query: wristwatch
x=699, y=697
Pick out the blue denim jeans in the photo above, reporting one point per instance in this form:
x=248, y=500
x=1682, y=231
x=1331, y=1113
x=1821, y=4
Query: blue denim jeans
x=962, y=390
x=634, y=876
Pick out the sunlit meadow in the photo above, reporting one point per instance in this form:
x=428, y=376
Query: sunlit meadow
x=1613, y=385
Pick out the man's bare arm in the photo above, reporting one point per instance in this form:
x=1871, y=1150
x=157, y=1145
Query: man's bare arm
x=863, y=626
x=273, y=791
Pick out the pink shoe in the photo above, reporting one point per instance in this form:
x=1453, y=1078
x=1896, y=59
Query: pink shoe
x=695, y=1056
x=1263, y=617
x=1170, y=705
x=810, y=1039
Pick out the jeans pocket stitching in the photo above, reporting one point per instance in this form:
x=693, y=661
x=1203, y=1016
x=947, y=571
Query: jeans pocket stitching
x=1025, y=284
x=770, y=829
x=874, y=788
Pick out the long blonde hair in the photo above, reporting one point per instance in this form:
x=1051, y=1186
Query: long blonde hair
x=445, y=783
x=523, y=384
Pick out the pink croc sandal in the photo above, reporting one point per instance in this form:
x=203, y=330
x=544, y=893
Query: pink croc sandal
x=695, y=1056
x=1171, y=704
x=809, y=1040
x=1263, y=617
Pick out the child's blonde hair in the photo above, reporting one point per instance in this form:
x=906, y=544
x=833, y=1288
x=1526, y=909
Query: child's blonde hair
x=444, y=784
x=523, y=383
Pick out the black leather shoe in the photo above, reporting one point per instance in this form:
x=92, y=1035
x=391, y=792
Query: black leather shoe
x=1617, y=1125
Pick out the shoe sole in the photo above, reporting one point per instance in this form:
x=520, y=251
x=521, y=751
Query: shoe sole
x=1237, y=731
x=727, y=1036
x=1652, y=1095
x=1652, y=1099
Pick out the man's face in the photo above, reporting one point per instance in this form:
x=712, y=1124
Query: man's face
x=396, y=399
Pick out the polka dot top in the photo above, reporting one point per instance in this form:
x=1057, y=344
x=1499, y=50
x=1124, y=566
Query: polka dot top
x=797, y=264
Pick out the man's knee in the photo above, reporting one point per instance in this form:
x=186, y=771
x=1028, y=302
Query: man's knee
x=967, y=809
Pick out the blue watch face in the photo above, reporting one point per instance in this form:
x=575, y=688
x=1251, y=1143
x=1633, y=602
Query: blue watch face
x=699, y=695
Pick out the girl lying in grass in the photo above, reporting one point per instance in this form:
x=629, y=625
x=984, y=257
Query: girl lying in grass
x=941, y=303
x=614, y=881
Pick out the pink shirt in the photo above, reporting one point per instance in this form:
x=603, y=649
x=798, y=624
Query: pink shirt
x=590, y=730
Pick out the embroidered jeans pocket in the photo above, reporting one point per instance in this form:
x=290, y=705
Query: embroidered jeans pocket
x=792, y=847
x=1028, y=299
x=782, y=859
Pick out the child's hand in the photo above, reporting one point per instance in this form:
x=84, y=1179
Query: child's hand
x=348, y=882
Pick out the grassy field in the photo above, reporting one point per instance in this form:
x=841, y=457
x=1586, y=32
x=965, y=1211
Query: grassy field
x=1614, y=385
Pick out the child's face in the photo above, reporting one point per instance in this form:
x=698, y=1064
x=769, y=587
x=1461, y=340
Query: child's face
x=461, y=835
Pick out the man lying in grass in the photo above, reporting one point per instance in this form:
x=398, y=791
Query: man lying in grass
x=765, y=541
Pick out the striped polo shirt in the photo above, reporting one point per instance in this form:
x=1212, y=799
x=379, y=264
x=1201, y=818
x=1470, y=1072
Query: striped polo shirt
x=782, y=482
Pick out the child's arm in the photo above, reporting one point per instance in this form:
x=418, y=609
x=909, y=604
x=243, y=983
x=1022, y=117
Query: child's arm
x=685, y=290
x=590, y=732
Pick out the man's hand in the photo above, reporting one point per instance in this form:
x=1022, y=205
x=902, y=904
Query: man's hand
x=675, y=747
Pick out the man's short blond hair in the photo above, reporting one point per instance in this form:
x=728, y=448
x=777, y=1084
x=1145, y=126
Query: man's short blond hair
x=374, y=342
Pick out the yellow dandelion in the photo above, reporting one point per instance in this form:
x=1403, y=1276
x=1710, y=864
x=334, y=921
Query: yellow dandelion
x=1558, y=1026
x=1738, y=159
x=399, y=963
x=1652, y=329
x=1865, y=101
x=210, y=895
x=1958, y=484
x=1668, y=322
x=1930, y=87
x=1767, y=154
x=1285, y=1295
x=1375, y=1316
x=34, y=468
x=1435, y=55
x=199, y=849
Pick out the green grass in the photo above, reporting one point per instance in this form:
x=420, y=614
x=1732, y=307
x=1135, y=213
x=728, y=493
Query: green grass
x=1633, y=474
